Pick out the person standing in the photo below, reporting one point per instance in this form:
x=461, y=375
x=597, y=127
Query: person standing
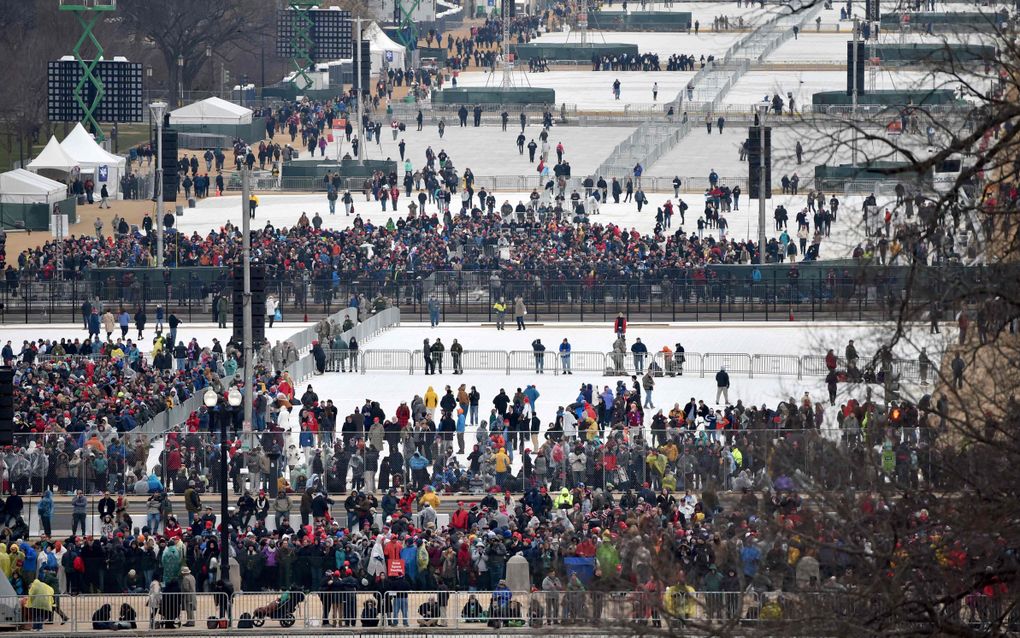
x=722, y=385
x=520, y=311
x=639, y=350
x=655, y=91
x=538, y=348
x=253, y=203
x=565, y=356
x=433, y=312
x=923, y=365
x=500, y=309
x=620, y=326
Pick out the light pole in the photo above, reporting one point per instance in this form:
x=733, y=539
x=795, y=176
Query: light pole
x=212, y=70
x=763, y=109
x=180, y=79
x=248, y=346
x=234, y=399
x=158, y=110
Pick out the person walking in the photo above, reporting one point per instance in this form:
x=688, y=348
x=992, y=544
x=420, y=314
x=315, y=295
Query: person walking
x=648, y=384
x=722, y=385
x=520, y=312
x=958, y=367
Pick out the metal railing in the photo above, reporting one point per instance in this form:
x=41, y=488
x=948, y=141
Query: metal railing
x=626, y=363
x=465, y=610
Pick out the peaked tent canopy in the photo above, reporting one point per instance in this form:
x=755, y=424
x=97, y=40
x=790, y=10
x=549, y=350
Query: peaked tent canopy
x=53, y=157
x=383, y=49
x=212, y=110
x=25, y=187
x=94, y=161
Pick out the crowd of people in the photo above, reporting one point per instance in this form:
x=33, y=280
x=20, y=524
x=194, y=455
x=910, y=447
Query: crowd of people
x=709, y=485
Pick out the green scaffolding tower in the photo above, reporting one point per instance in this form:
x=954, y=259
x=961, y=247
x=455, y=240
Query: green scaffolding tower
x=88, y=13
x=301, y=42
x=407, y=29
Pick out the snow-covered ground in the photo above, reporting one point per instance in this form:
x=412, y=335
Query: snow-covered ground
x=593, y=91
x=821, y=144
x=831, y=47
x=487, y=150
x=664, y=44
x=755, y=85
x=704, y=12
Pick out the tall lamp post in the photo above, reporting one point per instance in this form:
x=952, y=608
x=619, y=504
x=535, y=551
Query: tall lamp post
x=158, y=110
x=180, y=79
x=763, y=110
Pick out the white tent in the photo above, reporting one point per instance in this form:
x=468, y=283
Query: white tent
x=25, y=187
x=211, y=111
x=53, y=159
x=93, y=160
x=385, y=52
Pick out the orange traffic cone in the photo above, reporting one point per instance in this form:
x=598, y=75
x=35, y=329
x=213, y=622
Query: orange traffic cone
x=791, y=315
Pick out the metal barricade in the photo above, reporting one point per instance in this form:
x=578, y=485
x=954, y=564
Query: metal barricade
x=460, y=609
x=283, y=609
x=173, y=609
x=782, y=365
x=675, y=364
x=37, y=613
x=396, y=360
x=814, y=365
x=343, y=608
x=585, y=361
x=492, y=360
x=531, y=361
x=734, y=362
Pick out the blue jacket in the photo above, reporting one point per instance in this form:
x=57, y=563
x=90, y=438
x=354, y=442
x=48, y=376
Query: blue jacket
x=46, y=504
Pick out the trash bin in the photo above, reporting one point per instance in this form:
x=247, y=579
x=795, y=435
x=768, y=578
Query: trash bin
x=180, y=210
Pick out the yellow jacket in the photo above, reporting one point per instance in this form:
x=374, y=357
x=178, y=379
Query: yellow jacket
x=431, y=399
x=431, y=498
x=501, y=460
x=40, y=596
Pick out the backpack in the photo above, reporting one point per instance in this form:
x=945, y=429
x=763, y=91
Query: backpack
x=245, y=621
x=78, y=564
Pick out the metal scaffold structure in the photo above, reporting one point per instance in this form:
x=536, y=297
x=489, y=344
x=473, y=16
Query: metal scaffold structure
x=88, y=13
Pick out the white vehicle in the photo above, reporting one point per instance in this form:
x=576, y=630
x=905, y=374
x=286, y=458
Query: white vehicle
x=946, y=174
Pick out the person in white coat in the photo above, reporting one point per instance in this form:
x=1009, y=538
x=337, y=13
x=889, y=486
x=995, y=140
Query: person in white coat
x=271, y=306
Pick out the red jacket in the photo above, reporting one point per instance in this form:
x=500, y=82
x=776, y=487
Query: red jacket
x=459, y=519
x=620, y=325
x=403, y=415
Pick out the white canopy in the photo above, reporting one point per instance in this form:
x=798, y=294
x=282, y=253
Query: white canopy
x=25, y=187
x=212, y=110
x=383, y=49
x=53, y=157
x=94, y=161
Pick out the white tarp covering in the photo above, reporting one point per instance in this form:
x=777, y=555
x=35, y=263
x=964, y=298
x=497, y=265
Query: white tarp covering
x=25, y=187
x=93, y=160
x=212, y=110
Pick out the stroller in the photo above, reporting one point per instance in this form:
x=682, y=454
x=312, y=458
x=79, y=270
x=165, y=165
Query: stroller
x=282, y=609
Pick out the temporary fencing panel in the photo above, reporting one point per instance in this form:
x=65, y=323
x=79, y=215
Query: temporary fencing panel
x=492, y=360
x=387, y=360
x=734, y=362
x=530, y=361
x=783, y=365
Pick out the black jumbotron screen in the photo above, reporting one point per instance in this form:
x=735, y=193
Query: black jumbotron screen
x=331, y=34
x=122, y=86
